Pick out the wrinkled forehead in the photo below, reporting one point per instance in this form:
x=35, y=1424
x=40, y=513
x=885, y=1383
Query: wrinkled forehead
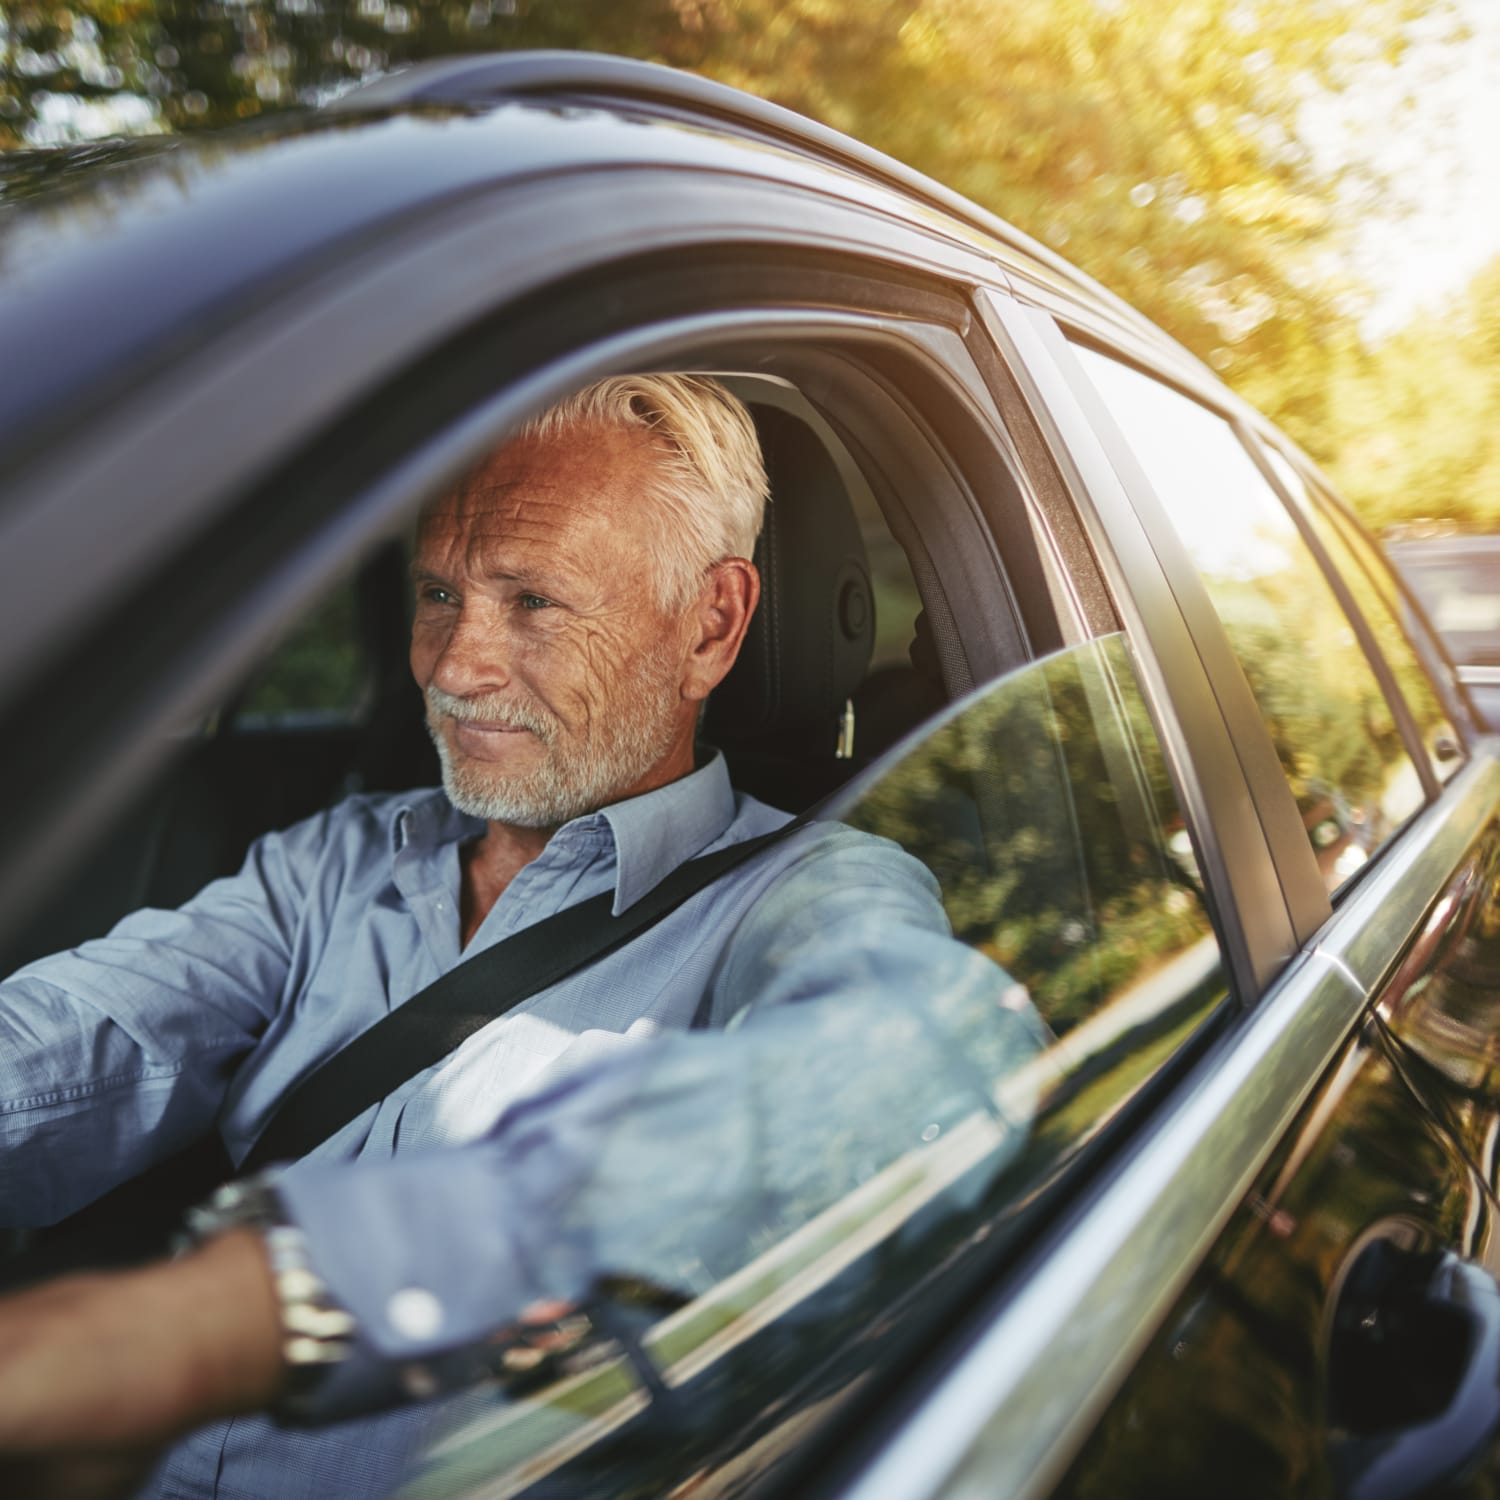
x=562, y=488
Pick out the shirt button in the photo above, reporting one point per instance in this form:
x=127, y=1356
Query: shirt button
x=414, y=1313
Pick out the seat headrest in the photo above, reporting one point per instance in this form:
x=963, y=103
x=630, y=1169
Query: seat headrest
x=810, y=641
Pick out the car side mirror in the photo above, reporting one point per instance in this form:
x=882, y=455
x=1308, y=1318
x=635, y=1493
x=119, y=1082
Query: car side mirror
x=1413, y=1372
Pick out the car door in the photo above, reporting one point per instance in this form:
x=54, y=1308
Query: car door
x=1236, y=1313
x=1046, y=806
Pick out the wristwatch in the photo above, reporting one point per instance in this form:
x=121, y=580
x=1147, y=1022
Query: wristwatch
x=318, y=1335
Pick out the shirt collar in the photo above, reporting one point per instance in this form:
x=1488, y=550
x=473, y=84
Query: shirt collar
x=429, y=820
x=653, y=833
x=657, y=831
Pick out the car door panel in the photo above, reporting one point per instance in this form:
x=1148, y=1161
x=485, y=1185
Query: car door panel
x=1276, y=1371
x=1235, y=1382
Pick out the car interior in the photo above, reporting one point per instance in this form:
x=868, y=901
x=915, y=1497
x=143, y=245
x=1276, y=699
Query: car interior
x=843, y=661
x=839, y=664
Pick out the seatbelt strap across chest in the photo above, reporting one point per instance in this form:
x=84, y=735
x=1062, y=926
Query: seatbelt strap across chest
x=475, y=992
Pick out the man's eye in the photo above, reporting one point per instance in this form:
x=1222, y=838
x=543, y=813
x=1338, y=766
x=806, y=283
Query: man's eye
x=433, y=594
x=534, y=601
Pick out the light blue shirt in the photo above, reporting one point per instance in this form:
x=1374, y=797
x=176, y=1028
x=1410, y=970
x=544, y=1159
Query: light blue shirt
x=580, y=1148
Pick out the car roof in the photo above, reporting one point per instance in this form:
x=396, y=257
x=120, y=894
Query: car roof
x=131, y=250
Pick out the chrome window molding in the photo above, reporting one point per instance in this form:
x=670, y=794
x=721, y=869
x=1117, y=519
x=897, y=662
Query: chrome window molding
x=1006, y=1418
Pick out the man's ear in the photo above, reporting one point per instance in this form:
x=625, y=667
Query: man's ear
x=719, y=618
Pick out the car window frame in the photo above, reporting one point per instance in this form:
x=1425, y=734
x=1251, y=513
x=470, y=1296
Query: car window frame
x=1211, y=636
x=221, y=600
x=1264, y=911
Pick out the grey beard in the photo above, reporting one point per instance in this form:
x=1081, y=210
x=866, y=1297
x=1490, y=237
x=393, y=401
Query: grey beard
x=573, y=779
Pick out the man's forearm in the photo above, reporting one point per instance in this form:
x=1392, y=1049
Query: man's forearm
x=101, y=1364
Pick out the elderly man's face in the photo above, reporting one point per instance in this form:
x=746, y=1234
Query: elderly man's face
x=552, y=674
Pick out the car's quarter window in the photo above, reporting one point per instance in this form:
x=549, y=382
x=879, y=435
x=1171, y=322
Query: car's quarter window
x=1372, y=592
x=1335, y=733
x=1432, y=646
x=1006, y=945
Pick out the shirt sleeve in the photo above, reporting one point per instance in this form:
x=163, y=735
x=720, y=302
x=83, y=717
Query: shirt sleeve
x=116, y=1054
x=862, y=1031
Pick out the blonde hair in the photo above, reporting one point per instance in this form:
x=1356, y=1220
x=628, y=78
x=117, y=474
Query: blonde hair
x=712, y=493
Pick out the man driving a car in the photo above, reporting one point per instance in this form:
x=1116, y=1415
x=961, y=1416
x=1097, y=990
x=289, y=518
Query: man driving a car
x=577, y=598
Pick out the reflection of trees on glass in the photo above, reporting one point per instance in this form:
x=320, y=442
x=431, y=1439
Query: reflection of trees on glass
x=1331, y=726
x=1047, y=815
x=1333, y=729
x=1379, y=599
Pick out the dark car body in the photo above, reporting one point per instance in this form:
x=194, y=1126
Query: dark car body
x=1252, y=1252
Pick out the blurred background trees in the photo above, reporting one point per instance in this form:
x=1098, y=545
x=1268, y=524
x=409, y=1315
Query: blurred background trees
x=1413, y=426
x=1162, y=147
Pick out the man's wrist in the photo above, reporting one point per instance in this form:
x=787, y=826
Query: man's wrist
x=226, y=1294
x=315, y=1333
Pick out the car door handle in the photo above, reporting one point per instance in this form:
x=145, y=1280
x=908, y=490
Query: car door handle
x=1414, y=1372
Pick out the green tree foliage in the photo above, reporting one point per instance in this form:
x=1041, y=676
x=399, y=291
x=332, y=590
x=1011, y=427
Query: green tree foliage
x=1414, y=423
x=1156, y=145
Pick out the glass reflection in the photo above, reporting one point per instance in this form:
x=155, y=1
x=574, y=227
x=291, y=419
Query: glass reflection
x=791, y=1203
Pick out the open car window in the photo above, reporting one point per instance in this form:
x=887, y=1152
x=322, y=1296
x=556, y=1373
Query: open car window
x=927, y=1050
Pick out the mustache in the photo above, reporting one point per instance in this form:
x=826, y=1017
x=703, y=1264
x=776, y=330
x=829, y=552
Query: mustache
x=490, y=709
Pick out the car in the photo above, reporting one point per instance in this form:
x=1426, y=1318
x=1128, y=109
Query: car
x=1456, y=578
x=1045, y=603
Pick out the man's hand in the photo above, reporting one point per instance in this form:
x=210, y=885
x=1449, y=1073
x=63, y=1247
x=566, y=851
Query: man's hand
x=99, y=1372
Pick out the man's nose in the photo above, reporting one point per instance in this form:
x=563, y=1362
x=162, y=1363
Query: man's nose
x=475, y=657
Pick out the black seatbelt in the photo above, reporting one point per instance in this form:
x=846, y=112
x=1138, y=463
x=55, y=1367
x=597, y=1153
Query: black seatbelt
x=469, y=996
